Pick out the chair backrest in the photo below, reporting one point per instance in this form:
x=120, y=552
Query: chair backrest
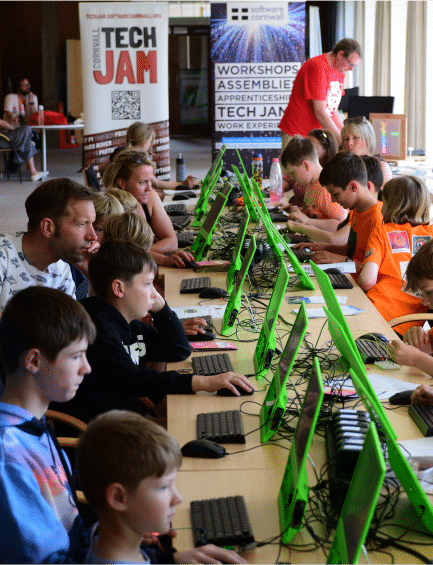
x=366, y=105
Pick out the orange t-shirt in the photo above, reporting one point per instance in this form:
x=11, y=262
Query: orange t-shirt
x=318, y=204
x=391, y=246
x=361, y=226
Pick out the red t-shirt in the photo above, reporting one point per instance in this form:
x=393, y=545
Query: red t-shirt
x=315, y=80
x=391, y=247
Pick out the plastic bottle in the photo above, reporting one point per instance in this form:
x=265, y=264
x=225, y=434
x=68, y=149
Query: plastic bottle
x=257, y=169
x=180, y=168
x=41, y=115
x=275, y=181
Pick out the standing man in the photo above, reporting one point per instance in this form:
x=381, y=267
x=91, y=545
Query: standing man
x=61, y=213
x=317, y=91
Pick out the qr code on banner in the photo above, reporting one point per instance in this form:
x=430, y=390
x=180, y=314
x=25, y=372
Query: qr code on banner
x=125, y=105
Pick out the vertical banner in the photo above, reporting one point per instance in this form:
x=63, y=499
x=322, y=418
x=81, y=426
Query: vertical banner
x=124, y=48
x=256, y=50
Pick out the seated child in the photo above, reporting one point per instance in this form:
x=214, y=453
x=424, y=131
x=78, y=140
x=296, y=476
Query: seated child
x=129, y=202
x=301, y=161
x=122, y=274
x=405, y=228
x=44, y=335
x=416, y=349
x=127, y=467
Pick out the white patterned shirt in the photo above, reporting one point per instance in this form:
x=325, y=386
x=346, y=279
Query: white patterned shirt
x=17, y=273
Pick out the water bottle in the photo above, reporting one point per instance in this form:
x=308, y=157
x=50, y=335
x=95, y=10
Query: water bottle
x=180, y=168
x=275, y=181
x=257, y=169
x=41, y=115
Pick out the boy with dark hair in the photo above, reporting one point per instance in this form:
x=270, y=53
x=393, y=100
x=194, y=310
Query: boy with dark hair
x=127, y=467
x=60, y=213
x=416, y=349
x=44, y=335
x=122, y=274
x=301, y=161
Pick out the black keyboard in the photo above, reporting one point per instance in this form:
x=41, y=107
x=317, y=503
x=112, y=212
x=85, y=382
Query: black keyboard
x=222, y=427
x=371, y=351
x=173, y=208
x=423, y=418
x=209, y=322
x=279, y=217
x=339, y=280
x=303, y=255
x=180, y=222
x=191, y=286
x=297, y=238
x=185, y=238
x=223, y=522
x=208, y=365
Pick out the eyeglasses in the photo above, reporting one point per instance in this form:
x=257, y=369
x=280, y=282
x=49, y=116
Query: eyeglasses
x=356, y=120
x=138, y=158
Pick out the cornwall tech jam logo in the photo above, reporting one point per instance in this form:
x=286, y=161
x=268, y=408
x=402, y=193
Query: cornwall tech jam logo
x=252, y=13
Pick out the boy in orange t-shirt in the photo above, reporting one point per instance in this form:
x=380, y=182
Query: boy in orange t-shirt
x=301, y=161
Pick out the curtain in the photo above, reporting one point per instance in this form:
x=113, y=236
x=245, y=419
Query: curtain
x=415, y=82
x=382, y=50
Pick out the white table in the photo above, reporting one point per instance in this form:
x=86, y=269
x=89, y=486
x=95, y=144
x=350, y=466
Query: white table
x=44, y=138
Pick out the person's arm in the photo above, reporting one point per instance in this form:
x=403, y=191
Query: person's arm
x=339, y=237
x=208, y=554
x=368, y=275
x=173, y=259
x=6, y=125
x=325, y=257
x=422, y=395
x=405, y=354
x=329, y=224
x=319, y=108
x=172, y=184
x=161, y=225
x=420, y=339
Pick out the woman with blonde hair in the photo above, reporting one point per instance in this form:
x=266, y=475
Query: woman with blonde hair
x=141, y=137
x=358, y=136
x=132, y=171
x=405, y=229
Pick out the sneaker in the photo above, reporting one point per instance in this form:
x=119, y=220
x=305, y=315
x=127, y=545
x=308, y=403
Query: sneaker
x=39, y=176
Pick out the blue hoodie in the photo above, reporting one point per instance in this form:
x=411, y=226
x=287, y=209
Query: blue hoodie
x=38, y=518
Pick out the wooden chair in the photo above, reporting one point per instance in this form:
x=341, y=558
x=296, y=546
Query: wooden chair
x=7, y=151
x=426, y=316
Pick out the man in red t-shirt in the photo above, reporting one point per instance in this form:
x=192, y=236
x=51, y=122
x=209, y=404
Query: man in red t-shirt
x=317, y=91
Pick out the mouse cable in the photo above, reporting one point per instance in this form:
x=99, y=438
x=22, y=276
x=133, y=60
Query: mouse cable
x=394, y=543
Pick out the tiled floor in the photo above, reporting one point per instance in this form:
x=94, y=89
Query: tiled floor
x=197, y=153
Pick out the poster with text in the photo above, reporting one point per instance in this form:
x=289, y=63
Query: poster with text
x=124, y=48
x=256, y=50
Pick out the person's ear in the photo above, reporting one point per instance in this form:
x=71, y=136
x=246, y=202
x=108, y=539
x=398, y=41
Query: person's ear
x=353, y=186
x=48, y=227
x=307, y=165
x=32, y=360
x=118, y=288
x=115, y=496
x=121, y=183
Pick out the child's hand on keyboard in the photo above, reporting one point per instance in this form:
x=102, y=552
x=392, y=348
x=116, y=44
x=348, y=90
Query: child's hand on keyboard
x=224, y=380
x=327, y=257
x=208, y=554
x=193, y=326
x=422, y=395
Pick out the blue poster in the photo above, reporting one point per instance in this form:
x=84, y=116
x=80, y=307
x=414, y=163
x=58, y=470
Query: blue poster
x=256, y=51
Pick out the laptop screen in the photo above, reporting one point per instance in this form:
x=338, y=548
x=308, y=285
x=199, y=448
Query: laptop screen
x=291, y=348
x=214, y=212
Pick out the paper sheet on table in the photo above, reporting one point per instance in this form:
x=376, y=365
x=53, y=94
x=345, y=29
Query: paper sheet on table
x=392, y=385
x=320, y=312
x=216, y=311
x=313, y=299
x=346, y=267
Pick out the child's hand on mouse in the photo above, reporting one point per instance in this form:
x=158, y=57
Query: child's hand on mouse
x=224, y=380
x=193, y=326
x=422, y=395
x=208, y=554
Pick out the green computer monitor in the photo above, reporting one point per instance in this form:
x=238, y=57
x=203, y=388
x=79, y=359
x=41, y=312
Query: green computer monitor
x=399, y=464
x=202, y=203
x=275, y=402
x=235, y=263
x=215, y=165
x=265, y=348
x=246, y=191
x=234, y=304
x=203, y=240
x=293, y=495
x=360, y=502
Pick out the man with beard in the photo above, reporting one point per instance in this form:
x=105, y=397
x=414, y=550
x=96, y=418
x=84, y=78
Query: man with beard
x=60, y=213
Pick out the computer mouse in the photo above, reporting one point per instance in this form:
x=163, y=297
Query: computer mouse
x=182, y=187
x=228, y=392
x=213, y=292
x=401, y=398
x=207, y=336
x=332, y=271
x=203, y=448
x=189, y=264
x=180, y=196
x=374, y=336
